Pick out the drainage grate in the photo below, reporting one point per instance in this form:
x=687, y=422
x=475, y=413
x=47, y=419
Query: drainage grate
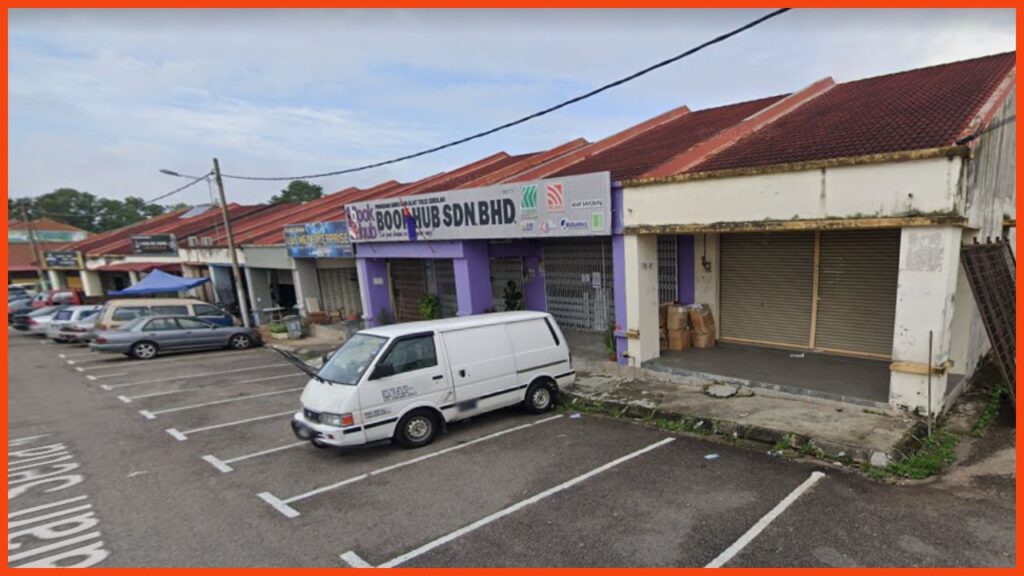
x=991, y=271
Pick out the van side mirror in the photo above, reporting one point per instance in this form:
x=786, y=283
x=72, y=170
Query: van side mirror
x=382, y=371
x=326, y=358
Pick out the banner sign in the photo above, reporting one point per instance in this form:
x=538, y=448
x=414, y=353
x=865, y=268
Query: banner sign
x=318, y=240
x=61, y=260
x=154, y=244
x=550, y=208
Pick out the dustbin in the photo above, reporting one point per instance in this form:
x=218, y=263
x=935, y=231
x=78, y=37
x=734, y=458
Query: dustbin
x=294, y=326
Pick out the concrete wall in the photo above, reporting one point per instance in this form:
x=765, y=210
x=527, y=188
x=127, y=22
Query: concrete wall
x=991, y=181
x=641, y=280
x=306, y=282
x=274, y=257
x=925, y=302
x=92, y=284
x=706, y=280
x=258, y=283
x=875, y=190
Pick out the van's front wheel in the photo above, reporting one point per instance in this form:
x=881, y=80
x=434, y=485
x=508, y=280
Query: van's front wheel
x=416, y=429
x=540, y=397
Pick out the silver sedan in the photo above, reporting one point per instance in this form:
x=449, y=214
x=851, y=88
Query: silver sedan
x=144, y=338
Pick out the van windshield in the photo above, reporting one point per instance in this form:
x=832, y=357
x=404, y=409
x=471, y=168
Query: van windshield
x=346, y=366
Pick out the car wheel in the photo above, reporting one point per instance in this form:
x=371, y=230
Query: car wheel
x=143, y=350
x=416, y=429
x=240, y=341
x=541, y=396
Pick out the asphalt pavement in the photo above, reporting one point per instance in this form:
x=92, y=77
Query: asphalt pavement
x=189, y=461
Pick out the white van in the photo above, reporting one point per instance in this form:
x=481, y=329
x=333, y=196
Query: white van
x=406, y=381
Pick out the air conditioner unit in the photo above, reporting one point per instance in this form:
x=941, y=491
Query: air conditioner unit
x=192, y=241
x=206, y=241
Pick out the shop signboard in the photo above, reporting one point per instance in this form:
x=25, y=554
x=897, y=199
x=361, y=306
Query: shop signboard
x=61, y=260
x=154, y=244
x=318, y=240
x=549, y=208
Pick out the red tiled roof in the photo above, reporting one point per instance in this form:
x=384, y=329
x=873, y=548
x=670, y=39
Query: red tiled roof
x=141, y=267
x=913, y=110
x=19, y=254
x=44, y=224
x=641, y=153
x=202, y=225
x=465, y=178
x=86, y=246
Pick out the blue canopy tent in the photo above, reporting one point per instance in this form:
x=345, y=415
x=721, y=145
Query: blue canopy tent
x=159, y=282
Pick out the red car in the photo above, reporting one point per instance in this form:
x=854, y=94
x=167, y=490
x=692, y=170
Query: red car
x=59, y=297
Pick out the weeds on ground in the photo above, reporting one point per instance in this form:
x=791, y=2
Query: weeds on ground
x=935, y=453
x=784, y=444
x=991, y=410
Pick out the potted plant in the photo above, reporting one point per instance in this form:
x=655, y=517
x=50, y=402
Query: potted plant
x=609, y=342
x=513, y=297
x=430, y=307
x=278, y=331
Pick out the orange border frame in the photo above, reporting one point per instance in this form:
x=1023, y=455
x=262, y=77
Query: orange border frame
x=56, y=4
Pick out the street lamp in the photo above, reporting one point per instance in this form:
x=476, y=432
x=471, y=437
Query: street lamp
x=235, y=270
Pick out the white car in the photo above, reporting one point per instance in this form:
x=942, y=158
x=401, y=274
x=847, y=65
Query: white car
x=40, y=323
x=68, y=316
x=405, y=381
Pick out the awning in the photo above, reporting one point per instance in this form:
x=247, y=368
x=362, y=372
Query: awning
x=141, y=267
x=159, y=282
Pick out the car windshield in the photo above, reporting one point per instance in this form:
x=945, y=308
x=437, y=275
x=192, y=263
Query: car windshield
x=44, y=311
x=346, y=366
x=131, y=324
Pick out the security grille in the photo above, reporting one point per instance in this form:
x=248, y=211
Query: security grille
x=504, y=270
x=444, y=287
x=578, y=281
x=991, y=270
x=408, y=284
x=668, y=269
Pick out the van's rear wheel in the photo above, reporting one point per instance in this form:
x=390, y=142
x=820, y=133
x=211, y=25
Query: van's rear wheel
x=541, y=396
x=416, y=429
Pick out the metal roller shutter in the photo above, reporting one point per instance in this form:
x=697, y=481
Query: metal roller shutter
x=408, y=285
x=766, y=289
x=504, y=270
x=857, y=278
x=339, y=292
x=578, y=282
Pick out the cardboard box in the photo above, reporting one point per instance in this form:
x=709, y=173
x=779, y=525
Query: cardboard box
x=679, y=339
x=663, y=314
x=703, y=341
x=676, y=317
x=701, y=320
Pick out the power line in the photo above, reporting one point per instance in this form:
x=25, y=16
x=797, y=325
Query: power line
x=524, y=119
x=179, y=189
x=991, y=127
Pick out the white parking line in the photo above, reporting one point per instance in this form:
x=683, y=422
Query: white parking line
x=283, y=507
x=223, y=465
x=763, y=523
x=152, y=414
x=95, y=377
x=350, y=557
x=188, y=376
x=128, y=399
x=183, y=435
x=185, y=358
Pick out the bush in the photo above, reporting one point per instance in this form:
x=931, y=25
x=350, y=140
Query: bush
x=430, y=307
x=513, y=297
x=278, y=329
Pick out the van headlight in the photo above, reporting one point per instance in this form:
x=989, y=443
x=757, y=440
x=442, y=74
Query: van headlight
x=337, y=419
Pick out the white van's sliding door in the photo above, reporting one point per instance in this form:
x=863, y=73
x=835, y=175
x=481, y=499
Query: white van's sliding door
x=483, y=368
x=537, y=350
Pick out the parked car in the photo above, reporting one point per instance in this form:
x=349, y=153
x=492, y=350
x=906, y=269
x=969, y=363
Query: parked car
x=117, y=312
x=59, y=297
x=22, y=290
x=405, y=381
x=78, y=332
x=68, y=315
x=15, y=307
x=148, y=336
x=24, y=319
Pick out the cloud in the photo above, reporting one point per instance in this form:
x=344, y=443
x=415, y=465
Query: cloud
x=101, y=99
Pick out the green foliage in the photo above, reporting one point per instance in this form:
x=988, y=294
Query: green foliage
x=935, y=453
x=298, y=191
x=430, y=307
x=513, y=297
x=991, y=409
x=278, y=328
x=86, y=211
x=609, y=338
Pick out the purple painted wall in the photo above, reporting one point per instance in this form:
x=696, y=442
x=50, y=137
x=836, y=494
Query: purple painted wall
x=377, y=296
x=619, y=273
x=448, y=249
x=473, y=278
x=684, y=269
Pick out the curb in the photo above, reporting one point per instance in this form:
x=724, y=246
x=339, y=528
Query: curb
x=823, y=449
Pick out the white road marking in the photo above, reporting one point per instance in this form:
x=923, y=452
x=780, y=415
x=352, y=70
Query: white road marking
x=184, y=358
x=188, y=376
x=79, y=368
x=763, y=523
x=46, y=506
x=184, y=435
x=154, y=413
x=366, y=475
x=95, y=377
x=399, y=560
x=128, y=399
x=353, y=560
x=279, y=505
x=223, y=465
x=105, y=386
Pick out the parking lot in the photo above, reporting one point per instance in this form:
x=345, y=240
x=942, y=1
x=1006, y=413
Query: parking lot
x=190, y=461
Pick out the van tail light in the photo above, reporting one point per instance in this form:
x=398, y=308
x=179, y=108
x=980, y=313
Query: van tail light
x=100, y=340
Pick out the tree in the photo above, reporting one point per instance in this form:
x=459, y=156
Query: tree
x=85, y=211
x=67, y=205
x=298, y=191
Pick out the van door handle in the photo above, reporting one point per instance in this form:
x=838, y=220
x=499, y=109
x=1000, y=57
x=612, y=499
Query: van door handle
x=439, y=376
x=462, y=373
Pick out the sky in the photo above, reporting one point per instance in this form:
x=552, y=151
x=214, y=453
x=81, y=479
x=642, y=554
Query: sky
x=101, y=100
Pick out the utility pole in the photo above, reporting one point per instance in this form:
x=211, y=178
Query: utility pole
x=35, y=248
x=242, y=304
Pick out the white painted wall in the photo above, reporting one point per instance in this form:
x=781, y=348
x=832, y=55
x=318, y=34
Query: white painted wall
x=642, y=296
x=275, y=257
x=929, y=264
x=92, y=284
x=307, y=284
x=258, y=283
x=55, y=279
x=991, y=181
x=875, y=190
x=706, y=281
x=209, y=255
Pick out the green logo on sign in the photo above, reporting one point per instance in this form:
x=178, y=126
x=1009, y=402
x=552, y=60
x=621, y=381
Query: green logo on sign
x=530, y=197
x=597, y=221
